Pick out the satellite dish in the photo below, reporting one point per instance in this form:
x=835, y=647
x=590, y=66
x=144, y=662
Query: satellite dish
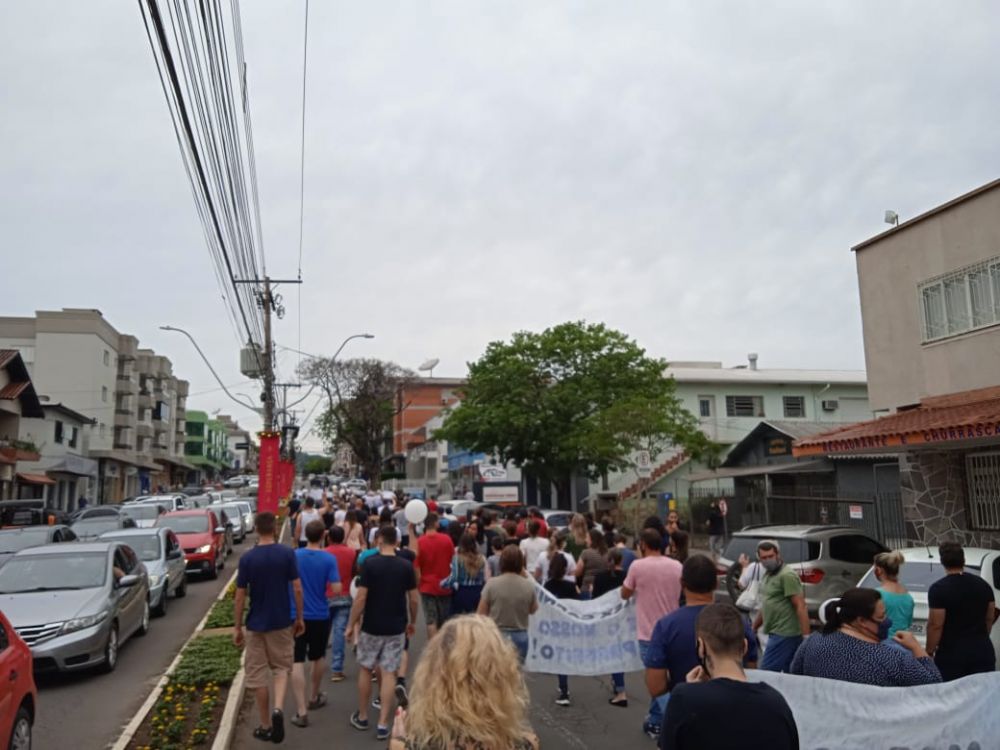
x=429, y=364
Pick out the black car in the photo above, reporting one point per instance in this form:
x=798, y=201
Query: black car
x=29, y=513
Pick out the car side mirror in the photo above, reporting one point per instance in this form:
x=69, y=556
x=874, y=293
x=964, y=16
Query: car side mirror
x=220, y=529
x=127, y=581
x=174, y=554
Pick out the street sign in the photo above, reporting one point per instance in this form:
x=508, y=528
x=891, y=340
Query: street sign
x=242, y=446
x=643, y=464
x=856, y=512
x=723, y=507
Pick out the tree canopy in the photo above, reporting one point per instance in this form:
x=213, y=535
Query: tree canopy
x=576, y=398
x=360, y=404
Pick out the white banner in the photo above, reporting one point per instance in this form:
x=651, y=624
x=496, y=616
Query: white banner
x=594, y=637
x=834, y=715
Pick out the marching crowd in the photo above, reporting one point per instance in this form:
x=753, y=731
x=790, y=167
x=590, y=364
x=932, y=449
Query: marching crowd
x=366, y=565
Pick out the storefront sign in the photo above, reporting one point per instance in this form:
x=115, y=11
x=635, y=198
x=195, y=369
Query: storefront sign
x=856, y=512
x=267, y=492
x=900, y=440
x=508, y=494
x=778, y=447
x=492, y=473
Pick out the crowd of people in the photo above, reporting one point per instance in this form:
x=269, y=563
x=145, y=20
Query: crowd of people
x=363, y=570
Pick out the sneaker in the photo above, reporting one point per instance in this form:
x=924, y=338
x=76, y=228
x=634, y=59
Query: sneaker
x=652, y=731
x=357, y=722
x=563, y=699
x=300, y=721
x=381, y=733
x=277, y=725
x=401, y=697
x=318, y=702
x=338, y=677
x=377, y=702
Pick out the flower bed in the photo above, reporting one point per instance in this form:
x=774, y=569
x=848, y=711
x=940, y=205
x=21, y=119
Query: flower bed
x=189, y=708
x=221, y=615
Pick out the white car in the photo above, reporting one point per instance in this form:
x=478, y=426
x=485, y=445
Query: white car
x=238, y=481
x=922, y=568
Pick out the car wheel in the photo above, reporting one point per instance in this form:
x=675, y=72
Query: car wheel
x=144, y=621
x=213, y=572
x=111, y=650
x=161, y=608
x=20, y=735
x=183, y=588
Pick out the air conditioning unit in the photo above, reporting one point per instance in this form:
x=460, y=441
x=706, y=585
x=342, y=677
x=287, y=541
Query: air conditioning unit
x=831, y=405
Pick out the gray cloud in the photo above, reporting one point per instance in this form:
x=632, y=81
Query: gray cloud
x=693, y=173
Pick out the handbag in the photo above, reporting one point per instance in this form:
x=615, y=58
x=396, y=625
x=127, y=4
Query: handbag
x=749, y=600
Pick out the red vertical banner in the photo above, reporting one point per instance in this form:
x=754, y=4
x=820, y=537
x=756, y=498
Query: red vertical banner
x=270, y=466
x=286, y=474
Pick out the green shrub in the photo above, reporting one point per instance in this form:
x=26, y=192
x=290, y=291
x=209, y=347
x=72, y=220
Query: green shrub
x=208, y=659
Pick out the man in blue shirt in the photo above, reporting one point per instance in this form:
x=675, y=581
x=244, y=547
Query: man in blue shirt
x=673, y=650
x=266, y=572
x=317, y=570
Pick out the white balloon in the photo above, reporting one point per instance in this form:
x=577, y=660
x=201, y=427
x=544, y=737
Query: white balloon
x=416, y=511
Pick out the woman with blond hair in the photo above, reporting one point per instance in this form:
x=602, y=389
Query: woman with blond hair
x=578, y=536
x=898, y=601
x=468, y=693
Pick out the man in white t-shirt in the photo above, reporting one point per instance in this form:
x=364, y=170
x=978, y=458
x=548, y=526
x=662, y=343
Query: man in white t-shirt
x=534, y=545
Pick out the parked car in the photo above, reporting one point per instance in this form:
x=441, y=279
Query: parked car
x=829, y=559
x=557, y=519
x=231, y=516
x=29, y=513
x=144, y=514
x=202, y=537
x=192, y=490
x=161, y=553
x=170, y=502
x=228, y=494
x=248, y=510
x=238, y=481
x=15, y=540
x=76, y=604
x=97, y=510
x=91, y=528
x=457, y=509
x=199, y=501
x=923, y=567
x=18, y=697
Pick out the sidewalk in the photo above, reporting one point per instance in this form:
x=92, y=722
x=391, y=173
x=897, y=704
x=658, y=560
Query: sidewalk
x=589, y=724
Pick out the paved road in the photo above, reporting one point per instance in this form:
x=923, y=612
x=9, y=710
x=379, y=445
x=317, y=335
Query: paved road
x=589, y=724
x=89, y=710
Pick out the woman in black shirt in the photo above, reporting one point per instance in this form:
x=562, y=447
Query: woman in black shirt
x=605, y=581
x=561, y=589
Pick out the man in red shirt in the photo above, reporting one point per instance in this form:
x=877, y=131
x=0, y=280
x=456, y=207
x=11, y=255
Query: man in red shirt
x=340, y=606
x=536, y=515
x=434, y=552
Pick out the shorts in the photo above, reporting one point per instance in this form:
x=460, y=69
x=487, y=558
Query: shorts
x=436, y=608
x=385, y=651
x=268, y=652
x=313, y=641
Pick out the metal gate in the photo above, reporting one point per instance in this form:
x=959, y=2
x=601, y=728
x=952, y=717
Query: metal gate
x=879, y=515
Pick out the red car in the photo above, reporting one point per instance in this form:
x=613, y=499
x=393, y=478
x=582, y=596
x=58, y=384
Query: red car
x=202, y=537
x=18, y=697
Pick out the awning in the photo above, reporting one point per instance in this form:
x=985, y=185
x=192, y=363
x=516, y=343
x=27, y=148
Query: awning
x=34, y=479
x=957, y=420
x=790, y=467
x=84, y=467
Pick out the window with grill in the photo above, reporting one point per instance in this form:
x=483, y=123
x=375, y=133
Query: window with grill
x=744, y=406
x=795, y=406
x=982, y=471
x=58, y=437
x=705, y=404
x=961, y=301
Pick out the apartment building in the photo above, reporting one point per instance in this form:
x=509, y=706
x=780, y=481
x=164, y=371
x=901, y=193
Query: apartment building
x=78, y=359
x=18, y=402
x=930, y=306
x=205, y=447
x=62, y=472
x=240, y=448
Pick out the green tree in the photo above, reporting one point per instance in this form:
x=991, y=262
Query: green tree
x=574, y=399
x=361, y=400
x=317, y=465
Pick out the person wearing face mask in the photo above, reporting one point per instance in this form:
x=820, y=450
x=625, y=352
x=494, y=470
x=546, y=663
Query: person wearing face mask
x=783, y=615
x=716, y=707
x=853, y=648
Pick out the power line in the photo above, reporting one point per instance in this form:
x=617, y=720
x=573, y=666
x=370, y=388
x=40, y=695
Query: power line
x=302, y=164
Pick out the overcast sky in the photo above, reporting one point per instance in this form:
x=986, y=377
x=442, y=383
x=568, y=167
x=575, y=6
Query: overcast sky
x=691, y=173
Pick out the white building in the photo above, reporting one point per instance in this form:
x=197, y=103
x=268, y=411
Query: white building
x=61, y=438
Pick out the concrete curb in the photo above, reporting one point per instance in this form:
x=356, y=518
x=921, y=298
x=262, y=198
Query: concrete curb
x=234, y=701
x=140, y=716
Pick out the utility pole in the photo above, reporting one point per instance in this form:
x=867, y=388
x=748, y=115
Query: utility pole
x=269, y=303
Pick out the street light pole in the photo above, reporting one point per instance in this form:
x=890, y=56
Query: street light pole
x=332, y=360
x=211, y=369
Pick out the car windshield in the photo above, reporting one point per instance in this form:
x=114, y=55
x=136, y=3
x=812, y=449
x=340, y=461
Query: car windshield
x=916, y=575
x=185, y=524
x=53, y=572
x=96, y=526
x=12, y=541
x=792, y=550
x=142, y=512
x=146, y=546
